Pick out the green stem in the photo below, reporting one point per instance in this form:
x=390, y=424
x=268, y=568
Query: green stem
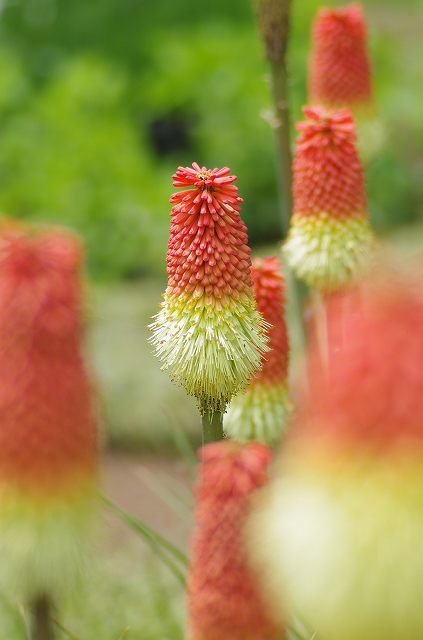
x=283, y=138
x=274, y=19
x=212, y=424
x=41, y=624
x=279, y=81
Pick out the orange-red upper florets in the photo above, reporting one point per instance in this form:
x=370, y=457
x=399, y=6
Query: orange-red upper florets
x=269, y=287
x=340, y=72
x=207, y=249
x=365, y=386
x=47, y=427
x=327, y=172
x=223, y=596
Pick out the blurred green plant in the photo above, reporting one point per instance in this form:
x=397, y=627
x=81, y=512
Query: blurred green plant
x=99, y=105
x=71, y=156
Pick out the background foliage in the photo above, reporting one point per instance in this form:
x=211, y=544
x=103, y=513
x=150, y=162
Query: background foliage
x=101, y=100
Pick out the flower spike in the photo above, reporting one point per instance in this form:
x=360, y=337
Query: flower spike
x=340, y=532
x=48, y=442
x=262, y=411
x=224, y=599
x=330, y=239
x=339, y=70
x=208, y=332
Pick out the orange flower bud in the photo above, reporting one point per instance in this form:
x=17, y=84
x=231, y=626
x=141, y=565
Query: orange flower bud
x=223, y=596
x=262, y=411
x=339, y=71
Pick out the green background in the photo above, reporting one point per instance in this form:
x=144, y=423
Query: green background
x=101, y=100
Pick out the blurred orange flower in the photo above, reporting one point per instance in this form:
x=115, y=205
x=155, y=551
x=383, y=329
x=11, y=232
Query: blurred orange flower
x=223, y=596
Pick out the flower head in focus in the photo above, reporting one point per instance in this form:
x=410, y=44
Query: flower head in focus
x=339, y=68
x=48, y=424
x=330, y=239
x=340, y=531
x=224, y=600
x=262, y=411
x=208, y=332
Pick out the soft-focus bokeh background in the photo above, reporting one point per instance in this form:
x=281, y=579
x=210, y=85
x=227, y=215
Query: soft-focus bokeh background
x=100, y=101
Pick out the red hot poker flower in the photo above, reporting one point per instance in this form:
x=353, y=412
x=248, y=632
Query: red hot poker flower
x=347, y=498
x=269, y=287
x=327, y=172
x=263, y=410
x=48, y=425
x=223, y=597
x=339, y=68
x=330, y=237
x=340, y=74
x=208, y=333
x=208, y=248
x=352, y=397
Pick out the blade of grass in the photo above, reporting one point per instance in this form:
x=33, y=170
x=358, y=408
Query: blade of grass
x=157, y=483
x=24, y=616
x=144, y=528
x=298, y=631
x=158, y=543
x=294, y=634
x=67, y=633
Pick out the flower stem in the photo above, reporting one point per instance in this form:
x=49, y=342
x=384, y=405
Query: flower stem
x=283, y=138
x=279, y=85
x=274, y=18
x=212, y=424
x=41, y=624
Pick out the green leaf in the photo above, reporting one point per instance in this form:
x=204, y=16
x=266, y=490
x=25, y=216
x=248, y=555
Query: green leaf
x=67, y=633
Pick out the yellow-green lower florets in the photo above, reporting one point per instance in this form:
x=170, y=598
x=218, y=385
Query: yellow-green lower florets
x=260, y=413
x=325, y=251
x=44, y=540
x=340, y=543
x=210, y=349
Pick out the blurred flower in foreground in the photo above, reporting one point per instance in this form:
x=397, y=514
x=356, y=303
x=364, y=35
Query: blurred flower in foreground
x=330, y=239
x=208, y=332
x=223, y=597
x=340, y=71
x=47, y=426
x=339, y=533
x=263, y=410
x=339, y=68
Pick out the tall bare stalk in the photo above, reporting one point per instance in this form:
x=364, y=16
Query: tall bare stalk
x=41, y=624
x=273, y=18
